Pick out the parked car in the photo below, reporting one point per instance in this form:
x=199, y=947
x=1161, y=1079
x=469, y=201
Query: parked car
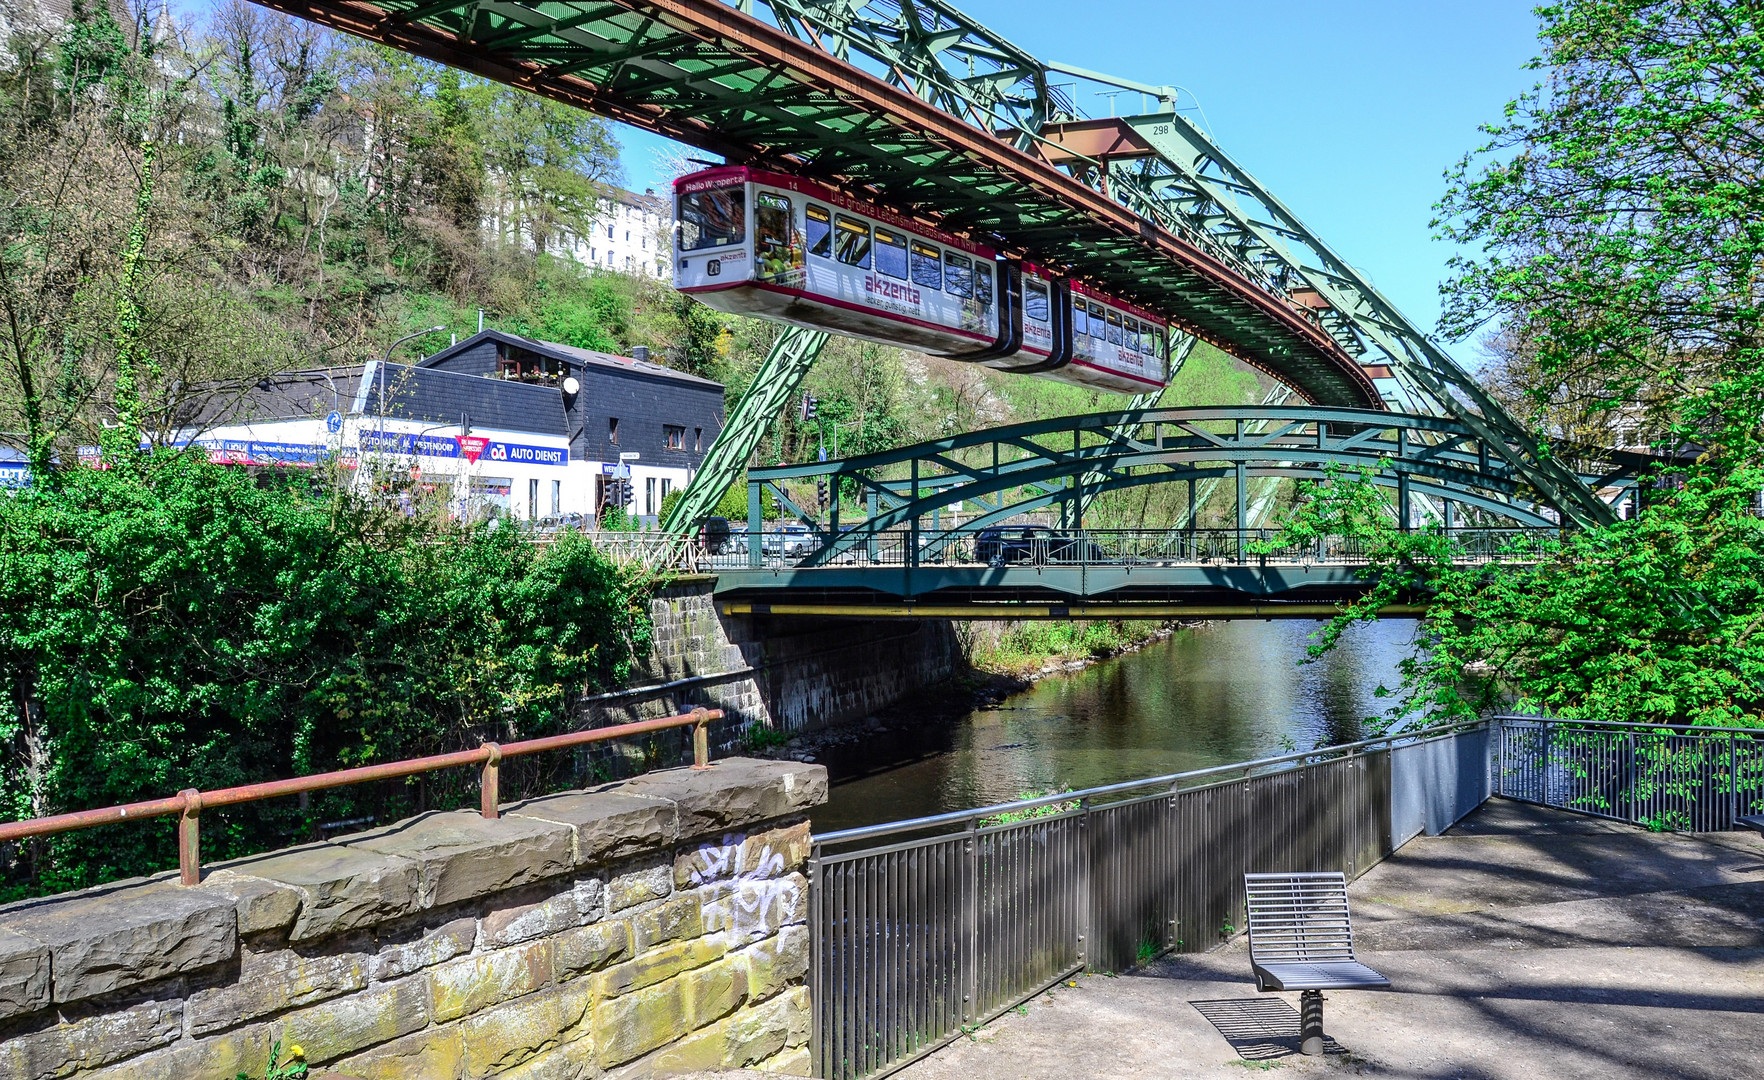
x=1001, y=545
x=789, y=541
x=714, y=534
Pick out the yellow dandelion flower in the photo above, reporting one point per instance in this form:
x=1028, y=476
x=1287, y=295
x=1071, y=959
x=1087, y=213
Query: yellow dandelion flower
x=296, y=1051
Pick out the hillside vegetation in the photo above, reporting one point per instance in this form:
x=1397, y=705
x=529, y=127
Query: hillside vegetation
x=254, y=194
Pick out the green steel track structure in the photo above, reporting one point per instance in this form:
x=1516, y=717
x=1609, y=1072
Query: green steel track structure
x=918, y=107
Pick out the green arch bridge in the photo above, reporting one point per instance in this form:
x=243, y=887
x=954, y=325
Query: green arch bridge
x=994, y=522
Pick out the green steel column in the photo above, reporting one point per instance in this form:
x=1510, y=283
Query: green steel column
x=1242, y=501
x=773, y=385
x=869, y=527
x=755, y=522
x=1148, y=400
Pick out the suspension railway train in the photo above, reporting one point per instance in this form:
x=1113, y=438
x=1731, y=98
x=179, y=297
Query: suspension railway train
x=784, y=248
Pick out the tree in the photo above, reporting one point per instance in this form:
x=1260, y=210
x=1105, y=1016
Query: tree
x=548, y=164
x=1617, y=221
x=1617, y=229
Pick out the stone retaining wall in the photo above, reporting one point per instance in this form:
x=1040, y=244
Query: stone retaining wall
x=645, y=928
x=791, y=673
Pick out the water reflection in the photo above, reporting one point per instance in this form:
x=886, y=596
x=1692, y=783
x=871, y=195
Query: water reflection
x=1228, y=692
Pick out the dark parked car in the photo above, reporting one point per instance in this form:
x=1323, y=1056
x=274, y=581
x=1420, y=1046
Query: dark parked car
x=715, y=534
x=1001, y=545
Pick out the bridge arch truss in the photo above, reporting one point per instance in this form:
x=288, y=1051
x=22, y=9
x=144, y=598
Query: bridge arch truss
x=1002, y=473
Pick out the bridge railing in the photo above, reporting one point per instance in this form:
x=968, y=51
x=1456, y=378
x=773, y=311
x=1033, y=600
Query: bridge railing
x=1042, y=547
x=1670, y=777
x=187, y=805
x=921, y=930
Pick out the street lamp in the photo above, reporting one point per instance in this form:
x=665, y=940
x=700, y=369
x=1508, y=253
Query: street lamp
x=387, y=359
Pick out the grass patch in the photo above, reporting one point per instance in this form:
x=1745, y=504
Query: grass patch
x=1023, y=647
x=1031, y=813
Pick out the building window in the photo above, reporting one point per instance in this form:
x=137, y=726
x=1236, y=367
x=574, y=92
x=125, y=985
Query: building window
x=556, y=497
x=667, y=485
x=532, y=500
x=609, y=233
x=697, y=440
x=612, y=430
x=675, y=437
x=649, y=496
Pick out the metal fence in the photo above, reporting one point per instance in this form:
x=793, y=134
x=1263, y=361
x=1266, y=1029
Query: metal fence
x=1687, y=779
x=961, y=916
x=1039, y=547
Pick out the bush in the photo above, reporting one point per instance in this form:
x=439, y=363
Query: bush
x=176, y=623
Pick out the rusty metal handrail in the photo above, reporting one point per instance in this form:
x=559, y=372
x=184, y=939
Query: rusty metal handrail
x=189, y=803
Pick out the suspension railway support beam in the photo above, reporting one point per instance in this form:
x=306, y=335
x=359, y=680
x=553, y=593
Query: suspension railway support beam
x=725, y=463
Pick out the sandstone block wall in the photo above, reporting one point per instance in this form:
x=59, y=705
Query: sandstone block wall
x=796, y=673
x=646, y=928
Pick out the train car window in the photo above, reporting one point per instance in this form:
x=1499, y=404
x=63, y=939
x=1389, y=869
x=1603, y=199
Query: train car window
x=958, y=274
x=1099, y=327
x=1080, y=319
x=927, y=267
x=1035, y=301
x=851, y=242
x=891, y=254
x=983, y=285
x=1133, y=334
x=1114, y=328
x=713, y=218
x=820, y=230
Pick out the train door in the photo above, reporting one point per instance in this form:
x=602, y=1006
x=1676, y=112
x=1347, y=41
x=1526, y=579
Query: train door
x=778, y=243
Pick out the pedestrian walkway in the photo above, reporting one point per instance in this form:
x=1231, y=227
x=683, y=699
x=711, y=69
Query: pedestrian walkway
x=1525, y=944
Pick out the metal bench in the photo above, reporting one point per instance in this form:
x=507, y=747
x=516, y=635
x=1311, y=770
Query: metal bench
x=1300, y=939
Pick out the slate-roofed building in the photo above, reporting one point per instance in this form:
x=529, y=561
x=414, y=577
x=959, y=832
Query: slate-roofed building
x=534, y=427
x=626, y=405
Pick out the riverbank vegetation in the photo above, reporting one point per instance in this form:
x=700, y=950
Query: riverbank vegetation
x=1615, y=230
x=167, y=623
x=1020, y=649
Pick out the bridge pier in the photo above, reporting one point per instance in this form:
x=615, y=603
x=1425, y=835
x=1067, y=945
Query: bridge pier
x=785, y=673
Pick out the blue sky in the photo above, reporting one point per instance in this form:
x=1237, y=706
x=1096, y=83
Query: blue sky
x=1349, y=110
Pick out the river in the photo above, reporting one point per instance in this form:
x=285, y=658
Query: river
x=1228, y=691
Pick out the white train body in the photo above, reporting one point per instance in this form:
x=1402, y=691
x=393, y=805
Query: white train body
x=780, y=247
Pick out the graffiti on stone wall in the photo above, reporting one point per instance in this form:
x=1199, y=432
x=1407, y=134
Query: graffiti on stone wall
x=754, y=897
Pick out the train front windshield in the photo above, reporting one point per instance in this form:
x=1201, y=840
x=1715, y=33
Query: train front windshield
x=712, y=218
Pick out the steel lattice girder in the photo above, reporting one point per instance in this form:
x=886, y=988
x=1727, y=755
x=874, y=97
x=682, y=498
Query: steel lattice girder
x=894, y=123
x=786, y=364
x=1188, y=172
x=1435, y=456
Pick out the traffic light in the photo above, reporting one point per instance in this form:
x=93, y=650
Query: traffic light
x=618, y=493
x=809, y=406
x=821, y=491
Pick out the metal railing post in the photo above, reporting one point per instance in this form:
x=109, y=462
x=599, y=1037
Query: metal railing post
x=701, y=740
x=1733, y=813
x=970, y=936
x=1630, y=778
x=490, y=782
x=816, y=987
x=190, y=838
x=1500, y=733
